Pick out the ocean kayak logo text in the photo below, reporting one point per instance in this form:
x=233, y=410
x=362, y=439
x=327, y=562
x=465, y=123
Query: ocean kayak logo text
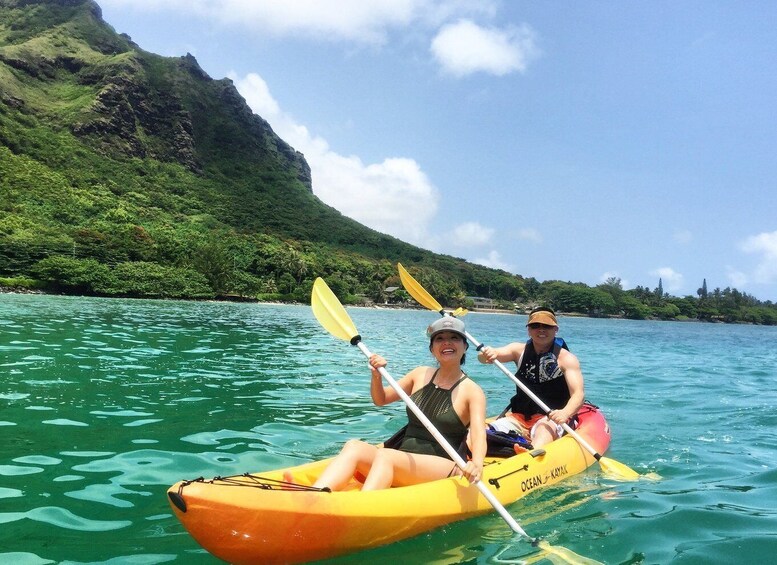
x=539, y=480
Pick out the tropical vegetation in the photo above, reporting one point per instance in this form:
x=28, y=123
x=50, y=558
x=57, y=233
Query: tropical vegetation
x=128, y=174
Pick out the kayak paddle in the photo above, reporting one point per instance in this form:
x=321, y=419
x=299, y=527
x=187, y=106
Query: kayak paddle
x=332, y=316
x=610, y=466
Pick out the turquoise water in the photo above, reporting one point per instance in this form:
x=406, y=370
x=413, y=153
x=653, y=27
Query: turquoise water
x=105, y=403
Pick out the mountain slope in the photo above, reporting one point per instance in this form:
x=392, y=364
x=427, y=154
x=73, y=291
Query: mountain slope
x=113, y=154
x=124, y=173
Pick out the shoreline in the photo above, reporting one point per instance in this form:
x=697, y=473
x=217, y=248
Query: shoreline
x=239, y=299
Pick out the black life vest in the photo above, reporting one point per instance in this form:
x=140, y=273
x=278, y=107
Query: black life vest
x=542, y=375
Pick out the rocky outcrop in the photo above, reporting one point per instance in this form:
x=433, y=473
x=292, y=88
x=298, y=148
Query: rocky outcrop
x=112, y=122
x=262, y=133
x=143, y=105
x=128, y=115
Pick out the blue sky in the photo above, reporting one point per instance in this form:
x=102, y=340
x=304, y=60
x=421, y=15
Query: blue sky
x=569, y=140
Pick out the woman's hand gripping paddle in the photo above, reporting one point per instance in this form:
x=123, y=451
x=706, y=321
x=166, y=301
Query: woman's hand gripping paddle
x=331, y=314
x=610, y=466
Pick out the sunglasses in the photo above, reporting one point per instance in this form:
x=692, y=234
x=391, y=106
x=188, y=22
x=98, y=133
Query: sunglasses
x=538, y=326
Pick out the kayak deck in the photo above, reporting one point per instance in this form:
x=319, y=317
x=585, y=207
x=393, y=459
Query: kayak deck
x=276, y=517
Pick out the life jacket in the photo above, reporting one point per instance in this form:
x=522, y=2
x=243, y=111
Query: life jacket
x=542, y=375
x=505, y=444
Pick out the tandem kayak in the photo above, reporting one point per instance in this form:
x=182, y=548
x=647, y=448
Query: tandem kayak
x=276, y=517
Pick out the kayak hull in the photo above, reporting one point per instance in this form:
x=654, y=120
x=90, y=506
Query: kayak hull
x=255, y=518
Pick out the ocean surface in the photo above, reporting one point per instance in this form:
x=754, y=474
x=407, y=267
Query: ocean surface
x=104, y=403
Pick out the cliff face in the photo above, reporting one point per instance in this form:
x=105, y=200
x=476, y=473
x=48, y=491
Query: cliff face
x=63, y=62
x=124, y=173
x=113, y=154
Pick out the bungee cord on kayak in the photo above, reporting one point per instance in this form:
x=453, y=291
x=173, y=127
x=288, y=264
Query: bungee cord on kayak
x=264, y=522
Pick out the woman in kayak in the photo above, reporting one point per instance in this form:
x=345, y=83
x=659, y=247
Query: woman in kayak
x=450, y=400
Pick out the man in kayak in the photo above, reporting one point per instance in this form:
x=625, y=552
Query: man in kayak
x=550, y=371
x=450, y=400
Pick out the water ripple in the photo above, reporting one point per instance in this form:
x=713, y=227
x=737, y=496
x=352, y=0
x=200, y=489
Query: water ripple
x=62, y=518
x=23, y=558
x=64, y=422
x=13, y=470
x=139, y=394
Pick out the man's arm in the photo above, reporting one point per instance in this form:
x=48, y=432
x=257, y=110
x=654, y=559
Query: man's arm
x=574, y=377
x=509, y=352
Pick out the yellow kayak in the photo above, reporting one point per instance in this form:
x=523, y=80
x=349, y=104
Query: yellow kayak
x=276, y=517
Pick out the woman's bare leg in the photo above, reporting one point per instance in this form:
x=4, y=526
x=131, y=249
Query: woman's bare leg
x=391, y=467
x=355, y=455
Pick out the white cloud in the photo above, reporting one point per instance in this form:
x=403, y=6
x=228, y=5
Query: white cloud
x=764, y=244
x=672, y=281
x=471, y=234
x=494, y=260
x=738, y=279
x=257, y=95
x=356, y=21
x=464, y=48
x=361, y=21
x=393, y=197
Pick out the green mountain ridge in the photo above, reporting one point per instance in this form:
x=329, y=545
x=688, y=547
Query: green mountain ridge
x=115, y=154
x=125, y=173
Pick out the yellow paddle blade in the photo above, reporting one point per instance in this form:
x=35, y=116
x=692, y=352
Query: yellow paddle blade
x=613, y=468
x=459, y=312
x=330, y=313
x=555, y=554
x=618, y=470
x=417, y=291
x=566, y=555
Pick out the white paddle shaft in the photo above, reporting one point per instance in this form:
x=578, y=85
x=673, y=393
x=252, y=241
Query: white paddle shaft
x=445, y=445
x=536, y=399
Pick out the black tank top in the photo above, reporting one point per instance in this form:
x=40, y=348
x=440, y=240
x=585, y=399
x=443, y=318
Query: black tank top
x=437, y=405
x=542, y=375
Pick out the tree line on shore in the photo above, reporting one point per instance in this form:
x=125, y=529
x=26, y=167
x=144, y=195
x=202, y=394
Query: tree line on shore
x=128, y=174
x=267, y=268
